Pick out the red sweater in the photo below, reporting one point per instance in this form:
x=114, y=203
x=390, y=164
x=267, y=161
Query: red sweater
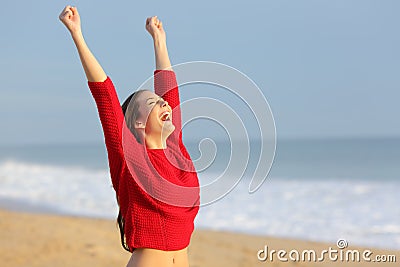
x=157, y=189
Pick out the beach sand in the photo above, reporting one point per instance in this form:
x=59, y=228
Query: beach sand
x=52, y=240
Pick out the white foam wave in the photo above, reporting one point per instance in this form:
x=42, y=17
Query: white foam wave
x=67, y=189
x=363, y=212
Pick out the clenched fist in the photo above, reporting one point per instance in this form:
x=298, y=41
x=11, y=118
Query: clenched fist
x=155, y=28
x=70, y=17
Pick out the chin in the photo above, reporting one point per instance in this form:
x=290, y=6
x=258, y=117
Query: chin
x=168, y=129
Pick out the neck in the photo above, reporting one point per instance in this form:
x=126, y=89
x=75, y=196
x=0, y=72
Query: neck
x=155, y=142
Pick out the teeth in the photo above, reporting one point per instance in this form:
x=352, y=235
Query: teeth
x=165, y=116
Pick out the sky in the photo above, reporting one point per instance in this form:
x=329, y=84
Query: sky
x=327, y=68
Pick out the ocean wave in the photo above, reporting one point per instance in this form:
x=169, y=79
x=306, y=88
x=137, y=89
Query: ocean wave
x=363, y=212
x=67, y=189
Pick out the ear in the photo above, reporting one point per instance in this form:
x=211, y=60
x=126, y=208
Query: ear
x=139, y=125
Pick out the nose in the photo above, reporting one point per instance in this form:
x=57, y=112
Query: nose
x=164, y=103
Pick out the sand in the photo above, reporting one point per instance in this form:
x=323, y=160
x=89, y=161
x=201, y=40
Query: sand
x=31, y=240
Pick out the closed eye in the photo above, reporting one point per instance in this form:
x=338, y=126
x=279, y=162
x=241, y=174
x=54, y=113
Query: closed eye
x=153, y=102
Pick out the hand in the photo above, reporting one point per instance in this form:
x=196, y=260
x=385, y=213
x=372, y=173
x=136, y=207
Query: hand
x=155, y=28
x=70, y=17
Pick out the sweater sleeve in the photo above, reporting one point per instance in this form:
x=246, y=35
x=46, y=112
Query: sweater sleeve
x=112, y=118
x=166, y=86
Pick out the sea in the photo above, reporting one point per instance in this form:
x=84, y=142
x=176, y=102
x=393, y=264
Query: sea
x=316, y=189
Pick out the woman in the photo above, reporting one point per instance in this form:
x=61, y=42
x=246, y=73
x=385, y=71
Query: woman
x=156, y=227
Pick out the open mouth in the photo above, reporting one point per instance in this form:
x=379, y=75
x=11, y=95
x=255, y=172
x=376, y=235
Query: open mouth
x=165, y=116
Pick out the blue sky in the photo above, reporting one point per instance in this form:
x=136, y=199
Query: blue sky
x=327, y=68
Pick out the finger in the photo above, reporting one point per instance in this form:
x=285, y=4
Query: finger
x=67, y=14
x=63, y=11
x=68, y=8
x=74, y=10
x=148, y=20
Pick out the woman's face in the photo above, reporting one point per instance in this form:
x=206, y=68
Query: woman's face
x=155, y=114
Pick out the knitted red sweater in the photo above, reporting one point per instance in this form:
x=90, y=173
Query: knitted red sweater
x=157, y=189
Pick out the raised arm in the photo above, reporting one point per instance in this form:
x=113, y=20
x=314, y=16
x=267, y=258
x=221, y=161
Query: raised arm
x=165, y=84
x=103, y=91
x=71, y=19
x=155, y=28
